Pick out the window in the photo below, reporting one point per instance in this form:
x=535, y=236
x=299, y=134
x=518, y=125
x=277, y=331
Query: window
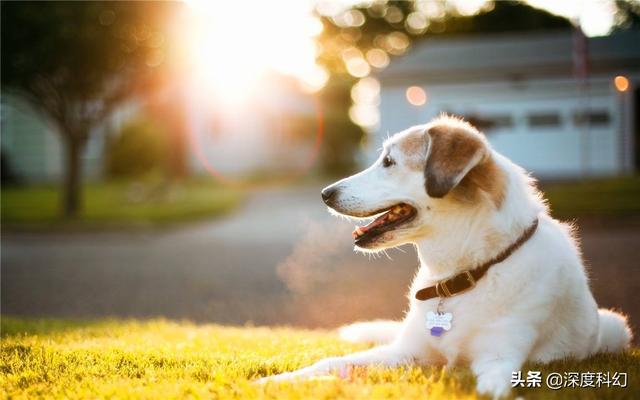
x=544, y=120
x=490, y=122
x=592, y=118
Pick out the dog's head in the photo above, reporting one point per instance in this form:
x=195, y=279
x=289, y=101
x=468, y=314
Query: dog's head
x=424, y=175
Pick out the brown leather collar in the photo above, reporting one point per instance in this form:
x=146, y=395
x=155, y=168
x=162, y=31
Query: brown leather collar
x=467, y=280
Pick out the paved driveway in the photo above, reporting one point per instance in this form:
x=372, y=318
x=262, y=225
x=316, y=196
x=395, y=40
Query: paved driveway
x=281, y=259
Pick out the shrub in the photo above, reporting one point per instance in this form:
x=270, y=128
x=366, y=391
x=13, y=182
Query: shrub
x=140, y=148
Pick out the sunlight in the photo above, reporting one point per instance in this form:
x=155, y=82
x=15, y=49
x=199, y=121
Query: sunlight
x=235, y=44
x=596, y=18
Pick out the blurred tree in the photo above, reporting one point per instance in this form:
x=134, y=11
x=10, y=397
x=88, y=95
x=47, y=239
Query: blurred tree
x=627, y=14
x=140, y=148
x=391, y=26
x=341, y=136
x=77, y=61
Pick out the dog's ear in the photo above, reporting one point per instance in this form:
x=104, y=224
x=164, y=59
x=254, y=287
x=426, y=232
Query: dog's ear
x=451, y=153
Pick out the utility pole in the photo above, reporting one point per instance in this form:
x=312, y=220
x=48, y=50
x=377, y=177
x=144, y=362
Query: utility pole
x=581, y=72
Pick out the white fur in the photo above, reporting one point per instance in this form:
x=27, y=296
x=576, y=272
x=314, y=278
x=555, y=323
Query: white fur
x=536, y=305
x=379, y=331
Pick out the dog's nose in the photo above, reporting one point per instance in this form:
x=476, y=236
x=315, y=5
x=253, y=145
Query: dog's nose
x=328, y=193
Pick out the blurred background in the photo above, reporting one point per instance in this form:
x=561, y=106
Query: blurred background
x=166, y=158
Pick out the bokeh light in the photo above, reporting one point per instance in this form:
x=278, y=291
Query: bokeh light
x=350, y=53
x=396, y=43
x=469, y=7
x=431, y=9
x=377, y=9
x=349, y=18
x=416, y=96
x=621, y=83
x=394, y=15
x=416, y=23
x=358, y=67
x=378, y=58
x=366, y=91
x=366, y=99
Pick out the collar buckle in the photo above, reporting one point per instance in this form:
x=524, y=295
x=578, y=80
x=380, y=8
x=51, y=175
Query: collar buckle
x=471, y=280
x=461, y=283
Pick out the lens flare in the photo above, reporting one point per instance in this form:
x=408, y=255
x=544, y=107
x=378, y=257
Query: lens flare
x=196, y=144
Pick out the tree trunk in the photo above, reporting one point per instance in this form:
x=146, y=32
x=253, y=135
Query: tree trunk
x=72, y=189
x=178, y=152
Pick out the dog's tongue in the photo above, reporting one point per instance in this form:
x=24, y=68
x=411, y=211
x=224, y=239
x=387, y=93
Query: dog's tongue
x=393, y=214
x=361, y=230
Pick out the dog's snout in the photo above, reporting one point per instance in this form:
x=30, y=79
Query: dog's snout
x=328, y=194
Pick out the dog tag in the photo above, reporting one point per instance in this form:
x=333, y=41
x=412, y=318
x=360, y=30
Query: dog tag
x=439, y=322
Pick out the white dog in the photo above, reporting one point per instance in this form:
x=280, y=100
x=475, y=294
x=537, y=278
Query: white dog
x=500, y=281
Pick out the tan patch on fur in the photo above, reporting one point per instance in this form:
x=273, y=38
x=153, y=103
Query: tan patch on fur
x=487, y=178
x=414, y=149
x=453, y=145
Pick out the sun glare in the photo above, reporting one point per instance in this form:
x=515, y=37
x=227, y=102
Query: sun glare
x=234, y=44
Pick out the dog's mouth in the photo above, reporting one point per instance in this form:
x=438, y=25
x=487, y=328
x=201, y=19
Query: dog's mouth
x=391, y=218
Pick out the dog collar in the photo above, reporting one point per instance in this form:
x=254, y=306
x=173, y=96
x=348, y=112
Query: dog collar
x=466, y=280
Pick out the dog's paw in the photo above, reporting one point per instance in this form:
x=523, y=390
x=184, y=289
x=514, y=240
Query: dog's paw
x=494, y=384
x=326, y=369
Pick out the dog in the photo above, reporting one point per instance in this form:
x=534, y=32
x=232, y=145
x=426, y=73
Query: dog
x=500, y=281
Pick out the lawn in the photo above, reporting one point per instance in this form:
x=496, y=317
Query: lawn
x=608, y=197
x=163, y=359
x=119, y=204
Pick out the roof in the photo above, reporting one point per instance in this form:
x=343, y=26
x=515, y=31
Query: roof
x=512, y=55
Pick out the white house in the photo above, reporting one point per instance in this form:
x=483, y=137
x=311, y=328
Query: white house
x=32, y=148
x=551, y=106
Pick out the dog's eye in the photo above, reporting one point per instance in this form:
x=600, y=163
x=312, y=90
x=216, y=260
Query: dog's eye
x=387, y=162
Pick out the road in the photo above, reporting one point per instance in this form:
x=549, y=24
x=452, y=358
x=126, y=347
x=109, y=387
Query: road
x=280, y=259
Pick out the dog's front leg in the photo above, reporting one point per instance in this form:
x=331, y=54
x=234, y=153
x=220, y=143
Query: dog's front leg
x=497, y=353
x=386, y=356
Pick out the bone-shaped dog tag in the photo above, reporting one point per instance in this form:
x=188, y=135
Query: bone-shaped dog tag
x=437, y=323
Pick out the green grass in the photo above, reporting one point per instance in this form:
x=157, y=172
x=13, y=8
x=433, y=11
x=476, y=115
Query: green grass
x=162, y=359
x=599, y=197
x=119, y=204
